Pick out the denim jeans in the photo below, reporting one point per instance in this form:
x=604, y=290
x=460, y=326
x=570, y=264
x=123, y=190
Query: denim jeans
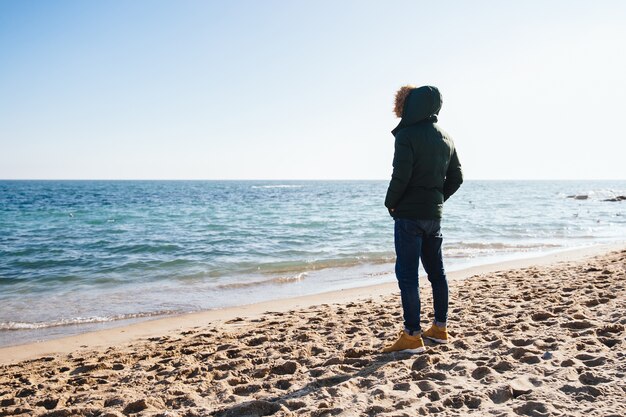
x=415, y=239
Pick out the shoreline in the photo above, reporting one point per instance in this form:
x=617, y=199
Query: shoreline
x=165, y=326
x=540, y=337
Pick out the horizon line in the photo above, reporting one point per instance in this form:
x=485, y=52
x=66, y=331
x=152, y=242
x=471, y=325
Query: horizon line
x=297, y=179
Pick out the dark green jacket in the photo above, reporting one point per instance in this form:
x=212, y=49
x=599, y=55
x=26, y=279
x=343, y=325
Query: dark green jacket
x=426, y=169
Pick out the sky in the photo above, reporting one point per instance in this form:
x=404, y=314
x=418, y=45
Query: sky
x=304, y=89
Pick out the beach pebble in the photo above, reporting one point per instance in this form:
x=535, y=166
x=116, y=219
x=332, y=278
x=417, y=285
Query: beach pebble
x=547, y=356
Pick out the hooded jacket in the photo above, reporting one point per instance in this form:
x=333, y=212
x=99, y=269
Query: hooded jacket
x=426, y=168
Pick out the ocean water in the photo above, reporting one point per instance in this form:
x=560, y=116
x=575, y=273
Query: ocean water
x=82, y=255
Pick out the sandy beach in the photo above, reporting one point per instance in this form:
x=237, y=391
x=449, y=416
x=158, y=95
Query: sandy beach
x=537, y=337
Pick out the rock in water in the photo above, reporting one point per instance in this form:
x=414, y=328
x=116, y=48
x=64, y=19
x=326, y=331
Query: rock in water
x=618, y=198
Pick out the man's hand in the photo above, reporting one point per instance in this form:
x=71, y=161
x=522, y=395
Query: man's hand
x=391, y=210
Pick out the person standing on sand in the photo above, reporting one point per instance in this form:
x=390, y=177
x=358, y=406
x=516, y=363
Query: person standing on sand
x=426, y=172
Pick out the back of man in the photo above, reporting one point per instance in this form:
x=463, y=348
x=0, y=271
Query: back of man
x=426, y=168
x=426, y=172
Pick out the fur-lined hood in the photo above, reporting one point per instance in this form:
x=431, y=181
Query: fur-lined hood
x=422, y=104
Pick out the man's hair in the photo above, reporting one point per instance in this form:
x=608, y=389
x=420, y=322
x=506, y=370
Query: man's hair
x=401, y=96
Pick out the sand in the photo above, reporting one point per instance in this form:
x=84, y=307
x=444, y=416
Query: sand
x=540, y=340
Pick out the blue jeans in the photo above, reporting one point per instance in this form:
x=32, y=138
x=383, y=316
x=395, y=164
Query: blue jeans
x=415, y=239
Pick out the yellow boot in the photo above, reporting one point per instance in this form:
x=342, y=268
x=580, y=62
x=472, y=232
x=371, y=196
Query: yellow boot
x=406, y=343
x=436, y=334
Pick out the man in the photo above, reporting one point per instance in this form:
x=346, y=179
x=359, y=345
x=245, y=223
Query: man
x=426, y=172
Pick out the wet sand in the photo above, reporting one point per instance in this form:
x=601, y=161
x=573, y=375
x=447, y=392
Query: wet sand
x=543, y=339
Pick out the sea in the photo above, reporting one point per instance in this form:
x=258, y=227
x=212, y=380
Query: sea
x=77, y=256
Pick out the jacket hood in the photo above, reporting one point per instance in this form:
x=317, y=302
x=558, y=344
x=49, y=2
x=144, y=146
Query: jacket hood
x=423, y=103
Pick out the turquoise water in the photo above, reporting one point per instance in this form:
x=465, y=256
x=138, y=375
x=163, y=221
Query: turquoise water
x=79, y=255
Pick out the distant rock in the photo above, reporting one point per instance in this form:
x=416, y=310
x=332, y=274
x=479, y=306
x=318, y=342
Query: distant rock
x=618, y=198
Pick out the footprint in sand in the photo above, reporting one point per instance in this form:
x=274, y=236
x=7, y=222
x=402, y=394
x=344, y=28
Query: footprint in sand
x=357, y=353
x=236, y=381
x=48, y=403
x=500, y=394
x=304, y=337
x=422, y=362
x=283, y=384
x=402, y=386
x=260, y=373
x=285, y=368
x=135, y=407
x=481, y=372
x=588, y=378
x=252, y=408
x=610, y=329
x=530, y=359
x=7, y=402
x=352, y=330
x=503, y=366
x=534, y=409
x=426, y=386
x=522, y=342
x=373, y=410
x=577, y=324
x=608, y=342
x=86, y=368
x=316, y=350
x=520, y=352
x=437, y=376
x=285, y=349
x=467, y=398
x=600, y=360
x=295, y=405
x=593, y=302
x=584, y=393
x=256, y=341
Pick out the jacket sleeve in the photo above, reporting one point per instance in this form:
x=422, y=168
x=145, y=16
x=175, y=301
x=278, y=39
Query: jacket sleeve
x=454, y=177
x=402, y=170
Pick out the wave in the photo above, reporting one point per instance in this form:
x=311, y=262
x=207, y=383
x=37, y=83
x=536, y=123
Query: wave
x=18, y=325
x=475, y=249
x=139, y=248
x=277, y=280
x=278, y=186
x=373, y=258
x=500, y=245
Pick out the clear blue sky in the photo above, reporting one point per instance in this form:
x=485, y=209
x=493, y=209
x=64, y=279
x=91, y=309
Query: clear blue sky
x=304, y=90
